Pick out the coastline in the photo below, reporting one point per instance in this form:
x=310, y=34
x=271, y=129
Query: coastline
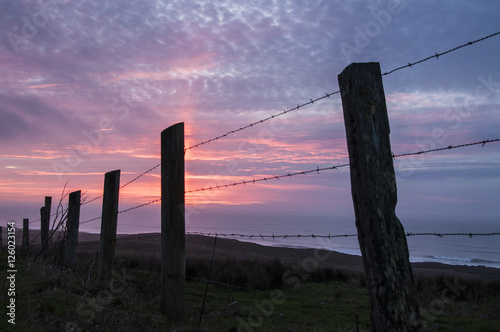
x=199, y=246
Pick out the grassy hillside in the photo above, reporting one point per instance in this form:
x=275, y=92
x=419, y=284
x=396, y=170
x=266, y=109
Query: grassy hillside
x=264, y=296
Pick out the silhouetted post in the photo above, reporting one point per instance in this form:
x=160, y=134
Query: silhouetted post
x=72, y=227
x=26, y=234
x=1, y=238
x=173, y=247
x=44, y=233
x=381, y=236
x=108, y=225
x=45, y=221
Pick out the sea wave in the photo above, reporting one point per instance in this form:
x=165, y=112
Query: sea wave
x=456, y=260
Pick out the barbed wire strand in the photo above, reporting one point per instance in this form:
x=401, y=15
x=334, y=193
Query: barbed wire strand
x=316, y=170
x=126, y=210
x=126, y=184
x=141, y=175
x=139, y=206
x=452, y=234
x=311, y=101
x=329, y=236
x=269, y=236
x=285, y=236
x=92, y=200
x=450, y=147
x=437, y=55
x=87, y=221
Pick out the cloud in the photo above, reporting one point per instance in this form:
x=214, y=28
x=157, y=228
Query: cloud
x=116, y=73
x=29, y=117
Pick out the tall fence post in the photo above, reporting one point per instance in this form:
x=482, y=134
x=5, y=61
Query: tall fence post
x=1, y=238
x=45, y=221
x=381, y=235
x=173, y=246
x=108, y=225
x=26, y=234
x=72, y=226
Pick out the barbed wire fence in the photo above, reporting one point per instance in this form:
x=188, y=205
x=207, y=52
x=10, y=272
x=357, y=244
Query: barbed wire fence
x=293, y=174
x=316, y=170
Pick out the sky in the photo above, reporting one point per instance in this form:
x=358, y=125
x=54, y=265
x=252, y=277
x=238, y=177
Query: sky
x=86, y=87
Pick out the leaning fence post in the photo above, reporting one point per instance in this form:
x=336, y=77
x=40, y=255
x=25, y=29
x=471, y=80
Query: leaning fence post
x=381, y=235
x=108, y=225
x=45, y=221
x=72, y=226
x=26, y=234
x=173, y=247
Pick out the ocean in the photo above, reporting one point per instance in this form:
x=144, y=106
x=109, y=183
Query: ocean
x=455, y=250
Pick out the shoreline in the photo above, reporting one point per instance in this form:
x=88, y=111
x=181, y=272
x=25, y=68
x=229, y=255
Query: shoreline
x=147, y=245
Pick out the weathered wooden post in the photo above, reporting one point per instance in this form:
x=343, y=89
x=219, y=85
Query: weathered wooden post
x=26, y=234
x=72, y=226
x=108, y=225
x=45, y=221
x=173, y=247
x=381, y=235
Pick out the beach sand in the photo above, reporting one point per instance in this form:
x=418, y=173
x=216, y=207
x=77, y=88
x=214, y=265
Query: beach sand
x=198, y=246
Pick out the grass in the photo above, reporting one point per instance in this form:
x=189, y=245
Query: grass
x=264, y=296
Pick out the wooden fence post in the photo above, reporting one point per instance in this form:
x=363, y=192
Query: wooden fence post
x=72, y=226
x=45, y=221
x=1, y=238
x=173, y=247
x=108, y=225
x=381, y=235
x=43, y=232
x=26, y=234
